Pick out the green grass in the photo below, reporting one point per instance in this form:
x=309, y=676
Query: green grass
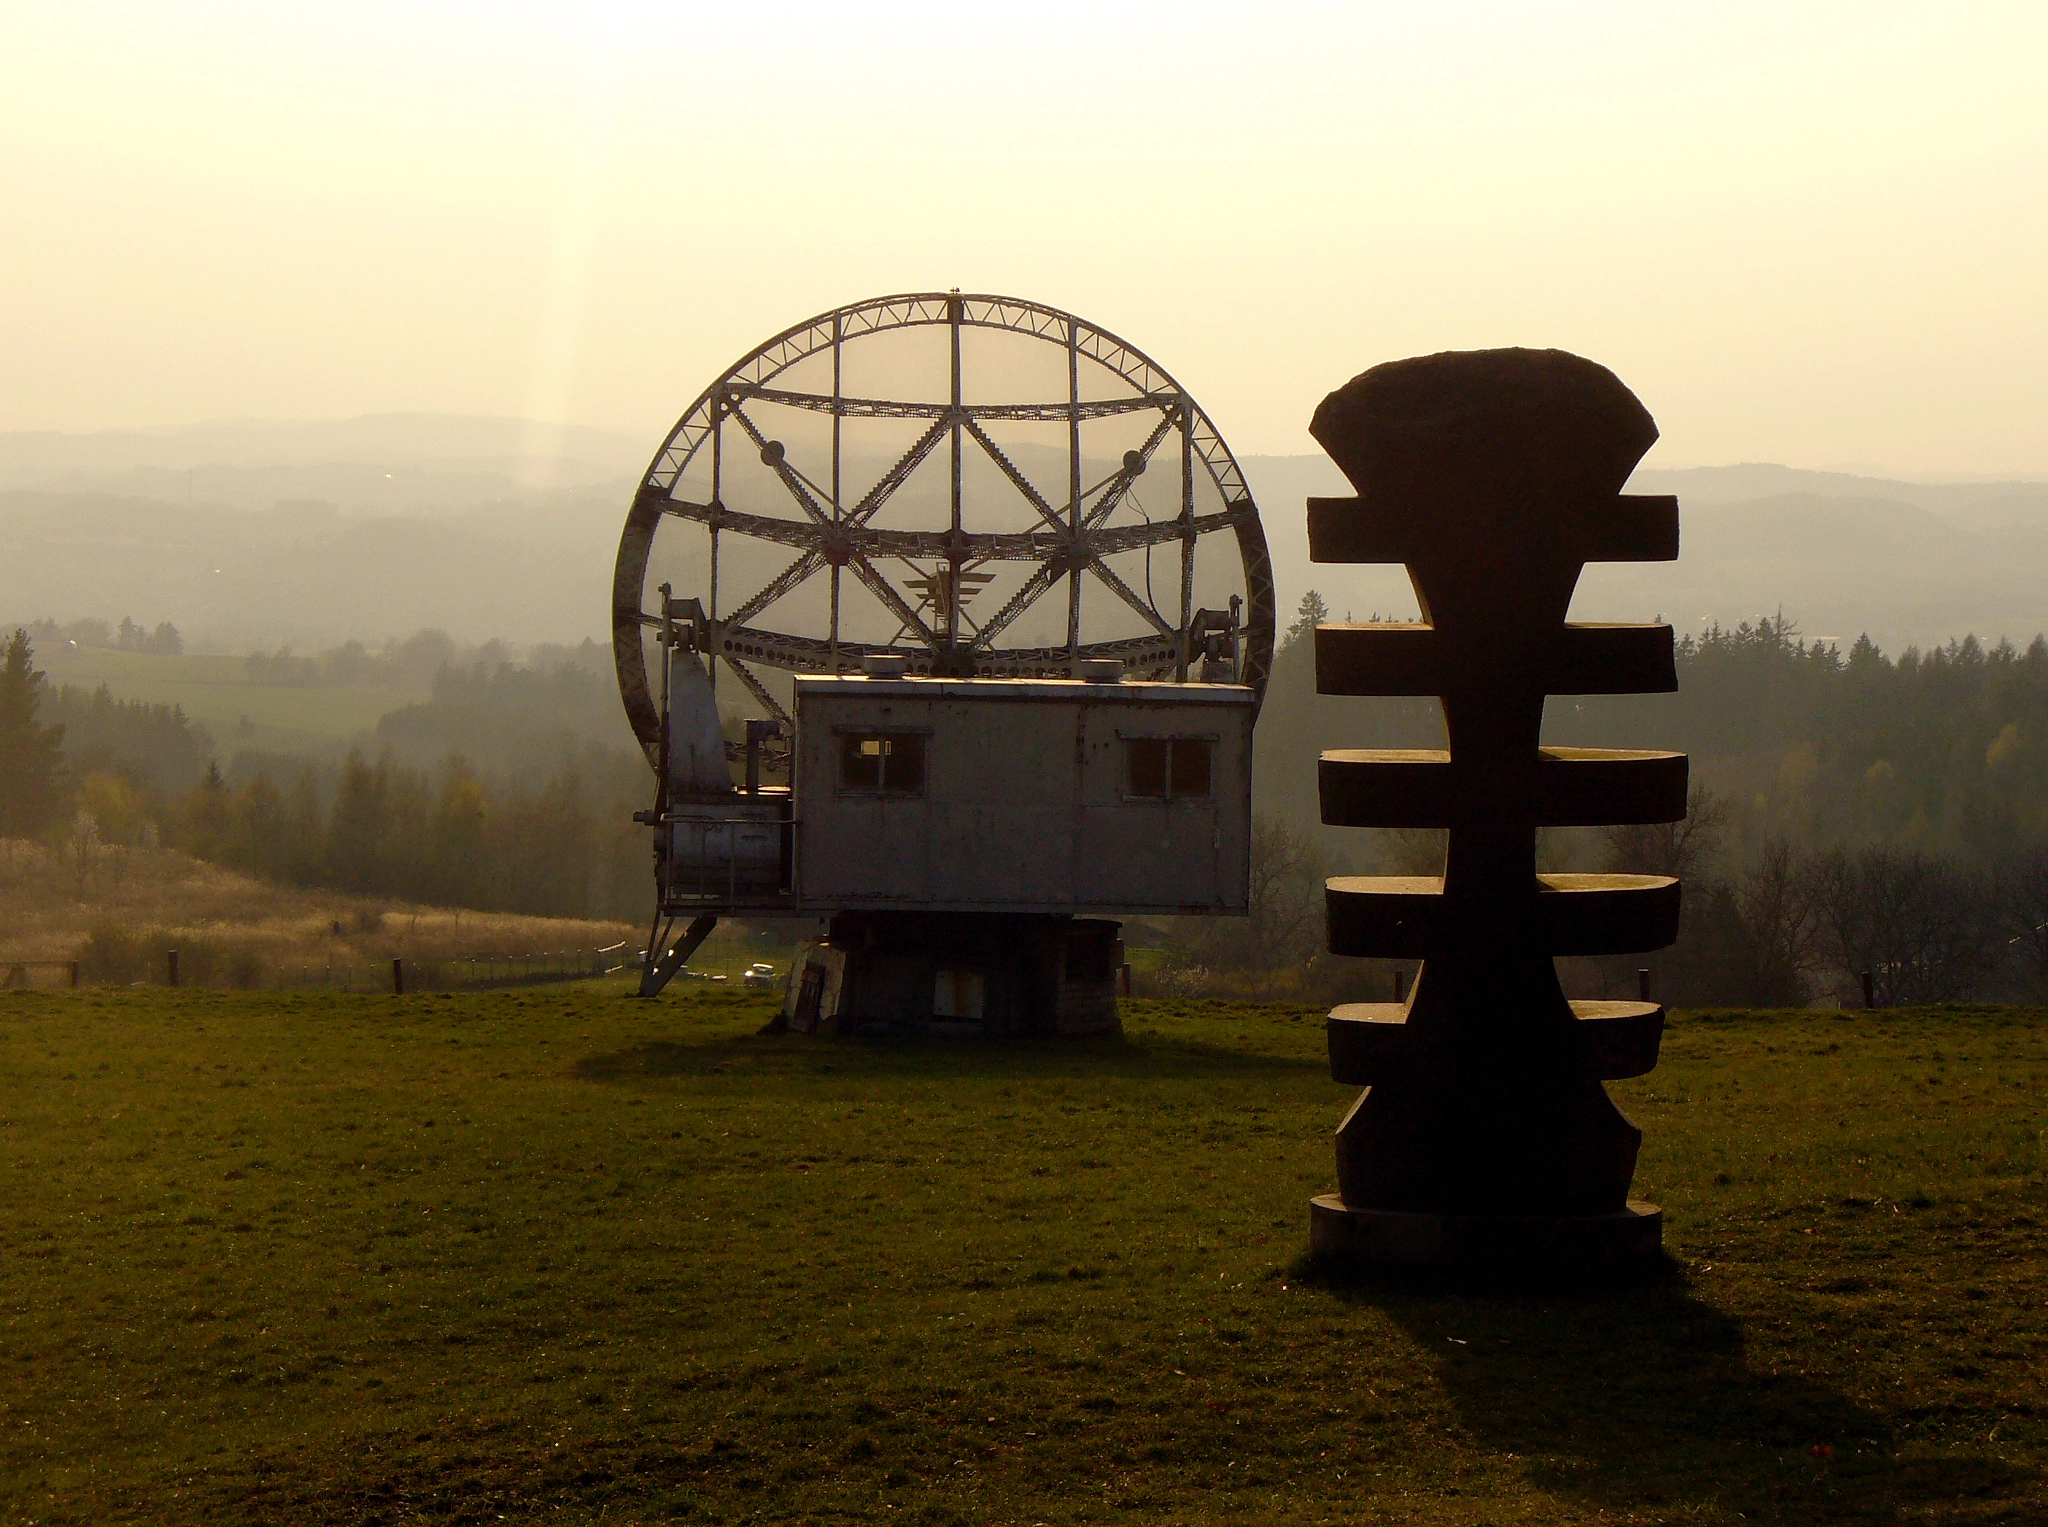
x=561, y=1256
x=217, y=693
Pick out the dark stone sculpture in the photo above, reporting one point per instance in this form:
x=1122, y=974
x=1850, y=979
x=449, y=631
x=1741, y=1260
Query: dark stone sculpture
x=1485, y=1141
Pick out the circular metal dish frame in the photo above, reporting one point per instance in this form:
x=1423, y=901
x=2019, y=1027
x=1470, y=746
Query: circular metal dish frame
x=1070, y=540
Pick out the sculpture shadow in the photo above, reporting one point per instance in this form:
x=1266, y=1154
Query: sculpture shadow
x=1631, y=1397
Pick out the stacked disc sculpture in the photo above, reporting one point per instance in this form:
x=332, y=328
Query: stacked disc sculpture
x=1485, y=1141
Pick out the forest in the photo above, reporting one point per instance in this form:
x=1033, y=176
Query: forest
x=1852, y=813
x=491, y=791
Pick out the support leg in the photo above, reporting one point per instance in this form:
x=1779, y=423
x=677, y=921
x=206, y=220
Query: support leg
x=658, y=972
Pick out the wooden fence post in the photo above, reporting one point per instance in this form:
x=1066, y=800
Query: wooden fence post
x=398, y=977
x=171, y=966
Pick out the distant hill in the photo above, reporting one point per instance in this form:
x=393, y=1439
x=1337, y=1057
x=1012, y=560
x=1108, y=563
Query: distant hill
x=378, y=463
x=1965, y=502
x=249, y=534
x=1907, y=563
x=235, y=580
x=1840, y=567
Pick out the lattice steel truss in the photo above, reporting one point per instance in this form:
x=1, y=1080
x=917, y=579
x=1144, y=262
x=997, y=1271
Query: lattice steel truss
x=832, y=529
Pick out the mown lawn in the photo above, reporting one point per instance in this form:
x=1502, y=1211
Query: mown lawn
x=562, y=1256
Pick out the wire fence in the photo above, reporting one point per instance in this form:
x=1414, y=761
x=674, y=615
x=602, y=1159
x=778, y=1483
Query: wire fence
x=25, y=975
x=736, y=962
x=469, y=972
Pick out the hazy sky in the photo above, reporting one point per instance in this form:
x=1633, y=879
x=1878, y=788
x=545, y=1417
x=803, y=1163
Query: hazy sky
x=1809, y=233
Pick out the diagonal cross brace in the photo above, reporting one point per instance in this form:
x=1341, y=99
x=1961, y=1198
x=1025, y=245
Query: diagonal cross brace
x=783, y=582
x=657, y=973
x=1022, y=483
x=757, y=689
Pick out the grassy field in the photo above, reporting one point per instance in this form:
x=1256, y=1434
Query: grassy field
x=217, y=693
x=562, y=1256
x=123, y=908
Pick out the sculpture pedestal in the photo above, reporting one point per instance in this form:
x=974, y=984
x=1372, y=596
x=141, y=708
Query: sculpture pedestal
x=1484, y=1246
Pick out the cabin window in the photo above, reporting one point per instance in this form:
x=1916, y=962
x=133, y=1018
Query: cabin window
x=882, y=763
x=1167, y=768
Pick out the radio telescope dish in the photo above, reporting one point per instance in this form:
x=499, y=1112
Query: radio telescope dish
x=987, y=486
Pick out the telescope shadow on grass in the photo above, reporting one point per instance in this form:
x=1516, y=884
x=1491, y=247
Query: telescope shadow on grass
x=1622, y=1398
x=977, y=1059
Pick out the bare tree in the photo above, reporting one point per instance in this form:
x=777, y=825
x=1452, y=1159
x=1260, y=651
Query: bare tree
x=1683, y=848
x=84, y=843
x=1284, y=930
x=1923, y=928
x=1778, y=907
x=1412, y=850
x=2021, y=893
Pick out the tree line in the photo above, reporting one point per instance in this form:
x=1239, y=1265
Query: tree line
x=1944, y=750
x=129, y=636
x=1784, y=926
x=1885, y=923
x=1851, y=814
x=446, y=838
x=490, y=794
x=420, y=661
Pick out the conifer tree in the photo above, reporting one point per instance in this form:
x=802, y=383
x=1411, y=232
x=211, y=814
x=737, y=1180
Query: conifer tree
x=1310, y=613
x=206, y=817
x=31, y=756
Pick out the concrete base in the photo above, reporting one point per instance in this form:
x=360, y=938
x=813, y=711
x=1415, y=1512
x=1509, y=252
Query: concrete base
x=1472, y=1245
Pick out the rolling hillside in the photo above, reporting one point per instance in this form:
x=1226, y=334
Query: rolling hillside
x=248, y=536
